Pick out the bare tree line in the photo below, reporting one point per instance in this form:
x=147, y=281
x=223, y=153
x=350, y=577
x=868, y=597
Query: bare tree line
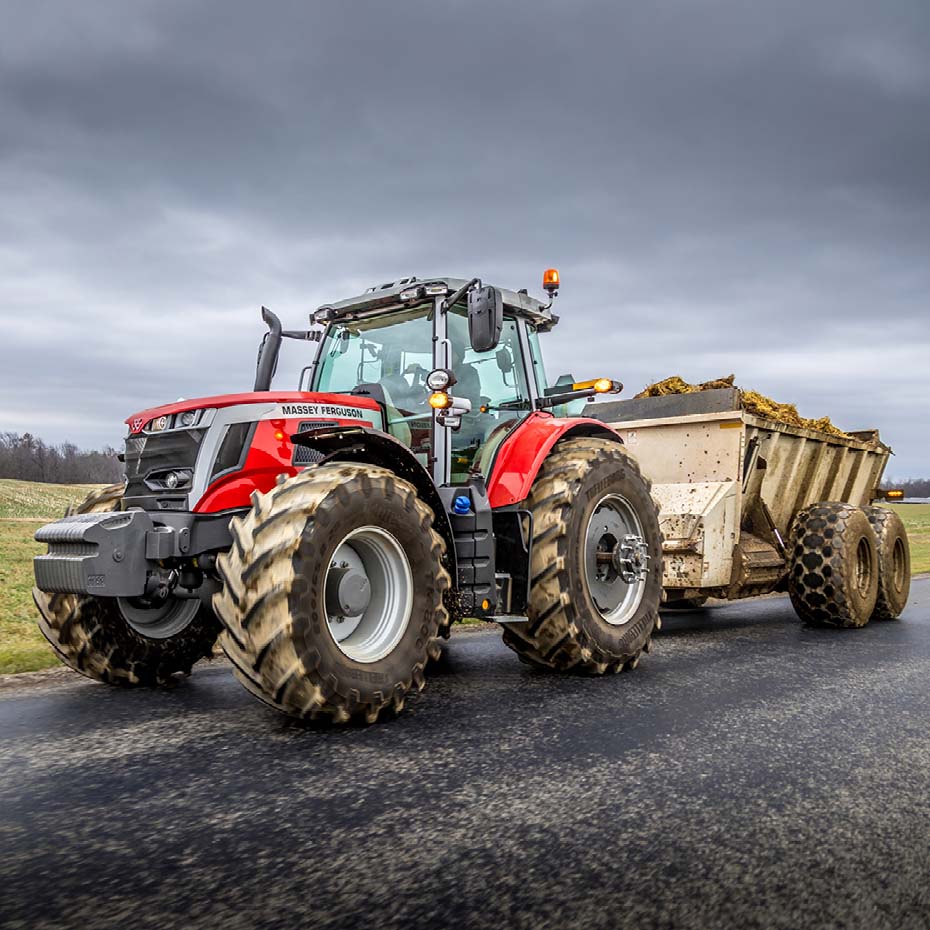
x=30, y=459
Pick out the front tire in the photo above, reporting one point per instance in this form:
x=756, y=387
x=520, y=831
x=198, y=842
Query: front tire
x=333, y=591
x=115, y=640
x=582, y=615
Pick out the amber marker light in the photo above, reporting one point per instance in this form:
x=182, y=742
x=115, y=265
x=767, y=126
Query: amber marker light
x=439, y=400
x=894, y=495
x=599, y=385
x=279, y=435
x=551, y=280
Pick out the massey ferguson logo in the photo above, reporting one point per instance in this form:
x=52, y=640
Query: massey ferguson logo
x=322, y=410
x=135, y=424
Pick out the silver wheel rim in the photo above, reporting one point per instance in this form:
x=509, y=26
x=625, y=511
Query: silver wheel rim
x=161, y=622
x=368, y=594
x=616, y=559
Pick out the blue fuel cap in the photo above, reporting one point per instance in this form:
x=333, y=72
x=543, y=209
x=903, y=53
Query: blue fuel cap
x=461, y=505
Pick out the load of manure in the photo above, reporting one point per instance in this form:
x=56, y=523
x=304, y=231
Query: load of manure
x=754, y=402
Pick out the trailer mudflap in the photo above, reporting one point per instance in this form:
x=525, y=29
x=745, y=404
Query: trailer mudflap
x=104, y=554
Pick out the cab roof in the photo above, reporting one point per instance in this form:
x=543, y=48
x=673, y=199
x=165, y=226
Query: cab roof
x=387, y=296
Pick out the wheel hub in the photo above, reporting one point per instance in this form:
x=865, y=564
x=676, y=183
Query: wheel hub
x=616, y=559
x=348, y=591
x=630, y=558
x=368, y=594
x=158, y=620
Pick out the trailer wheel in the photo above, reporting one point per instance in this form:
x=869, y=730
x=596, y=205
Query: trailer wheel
x=120, y=641
x=333, y=593
x=894, y=563
x=834, y=569
x=596, y=564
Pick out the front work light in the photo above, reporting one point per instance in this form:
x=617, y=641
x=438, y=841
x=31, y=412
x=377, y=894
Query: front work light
x=438, y=379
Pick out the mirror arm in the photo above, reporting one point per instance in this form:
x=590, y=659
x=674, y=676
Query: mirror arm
x=553, y=400
x=450, y=302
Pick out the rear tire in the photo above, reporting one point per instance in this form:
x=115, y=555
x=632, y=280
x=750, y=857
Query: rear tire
x=894, y=563
x=92, y=634
x=283, y=580
x=566, y=629
x=833, y=572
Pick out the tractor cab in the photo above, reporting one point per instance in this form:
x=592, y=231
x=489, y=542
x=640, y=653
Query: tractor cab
x=454, y=365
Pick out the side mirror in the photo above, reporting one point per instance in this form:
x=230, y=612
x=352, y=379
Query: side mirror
x=485, y=318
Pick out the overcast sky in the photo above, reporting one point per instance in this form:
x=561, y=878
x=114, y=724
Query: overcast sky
x=724, y=186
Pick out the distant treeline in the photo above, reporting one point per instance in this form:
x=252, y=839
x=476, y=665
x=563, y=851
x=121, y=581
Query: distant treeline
x=912, y=487
x=30, y=459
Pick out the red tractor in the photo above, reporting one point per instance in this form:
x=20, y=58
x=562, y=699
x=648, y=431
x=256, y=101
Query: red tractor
x=423, y=472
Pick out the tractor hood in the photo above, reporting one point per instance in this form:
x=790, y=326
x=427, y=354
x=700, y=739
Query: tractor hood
x=291, y=404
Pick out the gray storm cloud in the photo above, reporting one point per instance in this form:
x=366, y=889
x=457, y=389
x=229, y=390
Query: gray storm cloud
x=724, y=186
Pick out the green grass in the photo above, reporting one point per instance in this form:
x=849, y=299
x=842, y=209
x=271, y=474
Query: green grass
x=25, y=506
x=32, y=500
x=22, y=647
x=916, y=518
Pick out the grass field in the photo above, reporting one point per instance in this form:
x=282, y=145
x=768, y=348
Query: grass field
x=916, y=518
x=25, y=506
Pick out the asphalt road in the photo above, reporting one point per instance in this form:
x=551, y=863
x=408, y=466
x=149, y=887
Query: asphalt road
x=750, y=773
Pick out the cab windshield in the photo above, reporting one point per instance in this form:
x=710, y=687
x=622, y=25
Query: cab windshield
x=395, y=352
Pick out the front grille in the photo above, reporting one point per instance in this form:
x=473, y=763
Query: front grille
x=156, y=454
x=304, y=455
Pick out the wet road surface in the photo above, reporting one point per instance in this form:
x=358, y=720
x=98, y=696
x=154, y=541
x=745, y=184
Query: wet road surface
x=750, y=773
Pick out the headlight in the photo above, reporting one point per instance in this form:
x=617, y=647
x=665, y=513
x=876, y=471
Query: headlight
x=188, y=418
x=158, y=424
x=438, y=379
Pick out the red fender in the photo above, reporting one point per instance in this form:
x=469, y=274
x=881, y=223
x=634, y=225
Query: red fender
x=522, y=453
